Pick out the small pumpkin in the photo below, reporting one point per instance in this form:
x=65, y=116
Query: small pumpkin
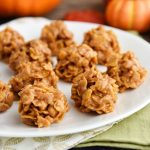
x=129, y=14
x=11, y=8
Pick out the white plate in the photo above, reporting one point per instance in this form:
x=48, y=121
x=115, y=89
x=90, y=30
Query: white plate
x=128, y=103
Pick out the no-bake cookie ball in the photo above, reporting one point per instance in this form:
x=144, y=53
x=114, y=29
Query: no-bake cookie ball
x=94, y=92
x=10, y=41
x=34, y=50
x=75, y=60
x=41, y=105
x=127, y=72
x=6, y=97
x=34, y=72
x=104, y=42
x=57, y=36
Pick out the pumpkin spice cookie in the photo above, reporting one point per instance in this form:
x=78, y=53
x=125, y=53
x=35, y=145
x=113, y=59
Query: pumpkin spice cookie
x=34, y=50
x=104, y=42
x=6, y=97
x=94, y=92
x=57, y=36
x=34, y=72
x=41, y=105
x=127, y=71
x=10, y=41
x=75, y=60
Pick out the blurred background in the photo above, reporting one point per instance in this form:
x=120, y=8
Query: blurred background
x=128, y=15
x=125, y=14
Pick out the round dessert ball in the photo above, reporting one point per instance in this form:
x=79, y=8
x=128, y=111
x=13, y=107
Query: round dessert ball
x=127, y=71
x=41, y=105
x=94, y=92
x=10, y=41
x=33, y=72
x=34, y=50
x=104, y=42
x=6, y=97
x=75, y=60
x=57, y=36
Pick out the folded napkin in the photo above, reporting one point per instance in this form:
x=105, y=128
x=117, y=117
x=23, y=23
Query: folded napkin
x=49, y=143
x=133, y=132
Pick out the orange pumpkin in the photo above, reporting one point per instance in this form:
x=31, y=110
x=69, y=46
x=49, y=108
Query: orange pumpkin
x=129, y=14
x=9, y=8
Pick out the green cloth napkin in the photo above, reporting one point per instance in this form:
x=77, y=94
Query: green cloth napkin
x=133, y=132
